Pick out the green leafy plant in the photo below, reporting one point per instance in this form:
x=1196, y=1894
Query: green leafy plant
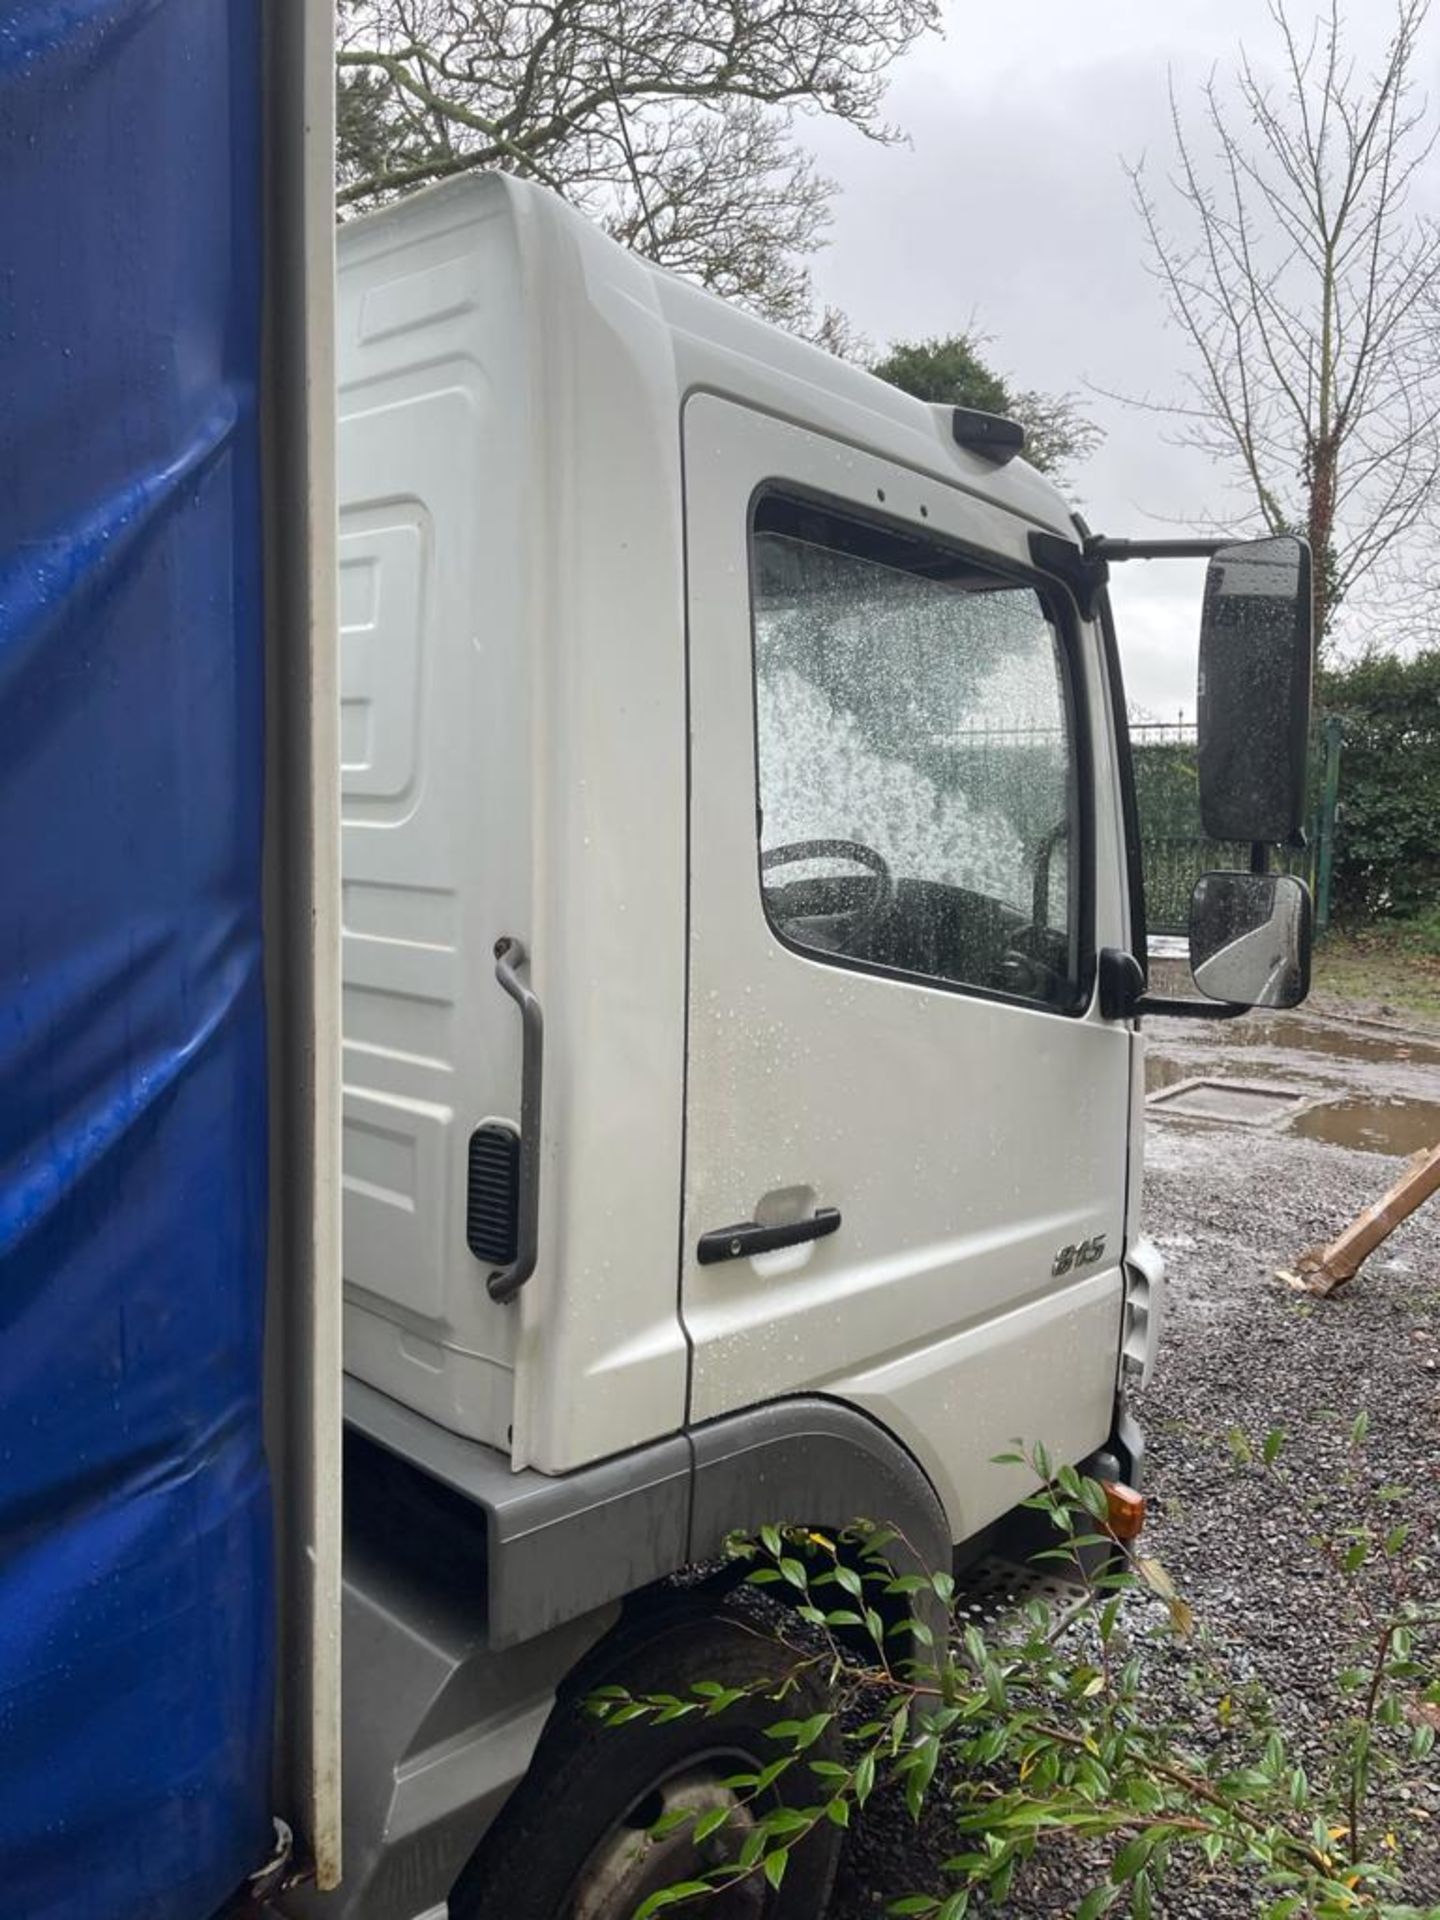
x=1041, y=1729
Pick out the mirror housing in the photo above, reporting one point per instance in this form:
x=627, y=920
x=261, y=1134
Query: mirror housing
x=1253, y=703
x=1250, y=938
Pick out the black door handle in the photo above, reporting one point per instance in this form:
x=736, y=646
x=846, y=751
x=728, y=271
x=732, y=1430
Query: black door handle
x=749, y=1237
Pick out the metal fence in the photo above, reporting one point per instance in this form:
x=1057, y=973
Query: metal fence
x=1176, y=850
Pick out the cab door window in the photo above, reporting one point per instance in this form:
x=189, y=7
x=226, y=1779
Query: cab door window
x=915, y=750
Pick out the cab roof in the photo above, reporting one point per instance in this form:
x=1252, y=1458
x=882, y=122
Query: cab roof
x=580, y=281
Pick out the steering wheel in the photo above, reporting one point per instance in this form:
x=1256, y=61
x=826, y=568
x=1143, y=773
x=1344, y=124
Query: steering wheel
x=861, y=917
x=1026, y=968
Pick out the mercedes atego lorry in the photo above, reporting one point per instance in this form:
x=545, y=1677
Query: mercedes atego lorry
x=744, y=956
x=697, y=796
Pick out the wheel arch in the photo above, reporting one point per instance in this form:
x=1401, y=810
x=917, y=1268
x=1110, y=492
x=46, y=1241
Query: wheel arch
x=556, y=1548
x=814, y=1462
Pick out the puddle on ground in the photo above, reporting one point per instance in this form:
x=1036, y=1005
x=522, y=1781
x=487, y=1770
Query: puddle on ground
x=1162, y=1071
x=1400, y=1127
x=1167, y=1070
x=1294, y=1035
x=1262, y=1050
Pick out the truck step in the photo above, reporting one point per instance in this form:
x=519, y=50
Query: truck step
x=992, y=1589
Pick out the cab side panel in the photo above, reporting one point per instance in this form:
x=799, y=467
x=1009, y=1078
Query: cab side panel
x=433, y=440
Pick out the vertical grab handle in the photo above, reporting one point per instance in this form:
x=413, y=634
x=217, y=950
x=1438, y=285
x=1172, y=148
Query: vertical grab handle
x=506, y=1282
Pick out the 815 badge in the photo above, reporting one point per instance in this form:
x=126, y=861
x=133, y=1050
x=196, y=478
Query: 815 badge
x=1084, y=1253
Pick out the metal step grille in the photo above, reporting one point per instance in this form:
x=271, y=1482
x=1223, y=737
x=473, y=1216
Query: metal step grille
x=993, y=1588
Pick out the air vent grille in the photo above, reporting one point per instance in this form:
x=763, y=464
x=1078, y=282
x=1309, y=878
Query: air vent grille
x=492, y=1199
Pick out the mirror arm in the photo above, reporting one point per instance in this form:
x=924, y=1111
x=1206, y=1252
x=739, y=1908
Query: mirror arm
x=1097, y=547
x=1085, y=566
x=1123, y=995
x=1191, y=1009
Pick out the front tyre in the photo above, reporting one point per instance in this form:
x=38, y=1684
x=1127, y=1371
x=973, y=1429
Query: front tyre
x=574, y=1841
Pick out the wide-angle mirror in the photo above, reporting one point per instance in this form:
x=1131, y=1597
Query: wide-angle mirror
x=1250, y=938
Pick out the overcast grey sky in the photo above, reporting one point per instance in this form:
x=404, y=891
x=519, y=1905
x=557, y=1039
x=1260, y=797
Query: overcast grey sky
x=1009, y=211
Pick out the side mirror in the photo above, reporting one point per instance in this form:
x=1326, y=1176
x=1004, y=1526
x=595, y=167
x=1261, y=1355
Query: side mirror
x=1250, y=938
x=1254, y=693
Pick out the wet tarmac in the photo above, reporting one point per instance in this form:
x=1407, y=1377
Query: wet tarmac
x=1355, y=1084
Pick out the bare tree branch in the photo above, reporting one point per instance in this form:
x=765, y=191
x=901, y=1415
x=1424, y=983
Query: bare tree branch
x=672, y=122
x=1307, y=289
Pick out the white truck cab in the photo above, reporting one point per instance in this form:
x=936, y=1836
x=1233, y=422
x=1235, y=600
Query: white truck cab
x=743, y=956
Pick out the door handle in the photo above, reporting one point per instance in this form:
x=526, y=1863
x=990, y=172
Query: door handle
x=749, y=1237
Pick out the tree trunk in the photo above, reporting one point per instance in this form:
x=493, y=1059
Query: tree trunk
x=1320, y=529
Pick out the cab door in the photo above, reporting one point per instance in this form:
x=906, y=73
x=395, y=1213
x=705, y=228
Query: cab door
x=905, y=1118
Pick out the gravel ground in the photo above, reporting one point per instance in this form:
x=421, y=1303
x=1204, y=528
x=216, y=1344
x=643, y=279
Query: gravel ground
x=1228, y=1204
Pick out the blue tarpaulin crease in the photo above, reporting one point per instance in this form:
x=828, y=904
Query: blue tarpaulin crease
x=136, y=1656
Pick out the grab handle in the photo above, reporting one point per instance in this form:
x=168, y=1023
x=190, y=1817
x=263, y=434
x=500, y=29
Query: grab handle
x=506, y=1282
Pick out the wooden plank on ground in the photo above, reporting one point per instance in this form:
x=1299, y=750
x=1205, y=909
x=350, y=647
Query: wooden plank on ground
x=1322, y=1270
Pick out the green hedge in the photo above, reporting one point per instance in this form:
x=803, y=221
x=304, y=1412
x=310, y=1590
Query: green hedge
x=1387, y=843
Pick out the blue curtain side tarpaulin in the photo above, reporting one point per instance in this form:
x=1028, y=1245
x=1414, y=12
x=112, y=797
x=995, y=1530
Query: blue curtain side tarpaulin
x=136, y=1657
